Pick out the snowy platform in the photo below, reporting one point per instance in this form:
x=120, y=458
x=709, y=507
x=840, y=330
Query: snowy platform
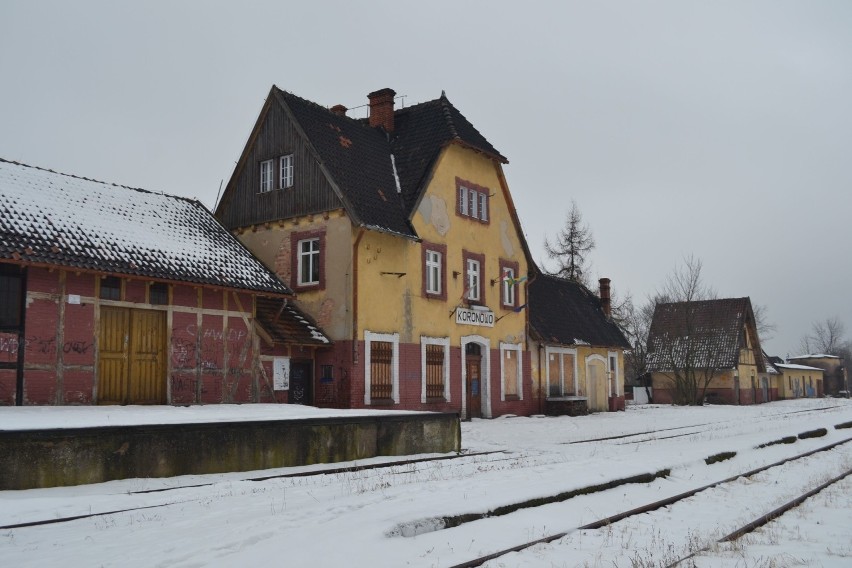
x=51, y=447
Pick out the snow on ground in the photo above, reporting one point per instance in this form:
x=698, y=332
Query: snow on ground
x=44, y=417
x=358, y=518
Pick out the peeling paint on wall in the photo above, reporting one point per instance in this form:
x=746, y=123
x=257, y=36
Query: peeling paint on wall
x=505, y=240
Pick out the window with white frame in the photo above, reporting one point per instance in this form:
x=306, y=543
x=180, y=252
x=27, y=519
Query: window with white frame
x=285, y=176
x=472, y=201
x=561, y=371
x=309, y=261
x=613, y=373
x=511, y=371
x=381, y=369
x=433, y=272
x=508, y=286
x=435, y=365
x=266, y=176
x=473, y=279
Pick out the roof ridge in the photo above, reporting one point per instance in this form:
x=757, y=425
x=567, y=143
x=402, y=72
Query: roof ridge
x=362, y=122
x=446, y=106
x=106, y=183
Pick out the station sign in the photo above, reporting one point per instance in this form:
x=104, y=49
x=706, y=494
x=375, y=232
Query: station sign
x=483, y=318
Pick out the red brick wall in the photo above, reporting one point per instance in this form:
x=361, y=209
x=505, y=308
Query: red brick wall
x=75, y=349
x=410, y=387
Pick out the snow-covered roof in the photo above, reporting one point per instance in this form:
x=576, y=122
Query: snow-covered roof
x=814, y=356
x=797, y=367
x=51, y=218
x=706, y=334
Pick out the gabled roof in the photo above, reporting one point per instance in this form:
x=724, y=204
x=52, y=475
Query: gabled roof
x=287, y=324
x=702, y=334
x=421, y=132
x=53, y=219
x=566, y=312
x=358, y=156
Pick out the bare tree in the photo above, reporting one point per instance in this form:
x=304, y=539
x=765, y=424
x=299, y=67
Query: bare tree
x=635, y=323
x=765, y=328
x=572, y=246
x=686, y=343
x=827, y=336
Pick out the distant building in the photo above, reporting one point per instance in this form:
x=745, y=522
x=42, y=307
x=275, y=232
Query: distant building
x=799, y=381
x=834, y=368
x=716, y=343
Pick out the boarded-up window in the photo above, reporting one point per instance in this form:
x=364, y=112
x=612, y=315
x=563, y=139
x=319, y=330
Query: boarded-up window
x=434, y=371
x=581, y=388
x=560, y=374
x=510, y=372
x=554, y=374
x=381, y=369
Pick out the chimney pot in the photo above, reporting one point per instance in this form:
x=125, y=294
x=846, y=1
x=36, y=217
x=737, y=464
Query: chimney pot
x=339, y=110
x=381, y=108
x=606, y=301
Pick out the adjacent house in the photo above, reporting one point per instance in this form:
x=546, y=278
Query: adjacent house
x=577, y=349
x=115, y=295
x=399, y=234
x=834, y=369
x=799, y=381
x=707, y=349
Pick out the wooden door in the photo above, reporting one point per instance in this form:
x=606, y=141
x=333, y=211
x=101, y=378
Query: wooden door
x=301, y=391
x=147, y=381
x=473, y=367
x=596, y=379
x=131, y=356
x=113, y=351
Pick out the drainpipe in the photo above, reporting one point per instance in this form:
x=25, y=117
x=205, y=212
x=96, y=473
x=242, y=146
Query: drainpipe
x=540, y=395
x=355, y=296
x=19, y=373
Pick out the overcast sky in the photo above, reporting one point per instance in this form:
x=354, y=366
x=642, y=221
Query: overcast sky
x=719, y=129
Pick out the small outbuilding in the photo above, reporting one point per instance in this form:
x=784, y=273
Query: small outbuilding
x=578, y=350
x=116, y=295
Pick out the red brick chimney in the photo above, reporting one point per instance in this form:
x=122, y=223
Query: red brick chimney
x=606, y=302
x=339, y=110
x=381, y=108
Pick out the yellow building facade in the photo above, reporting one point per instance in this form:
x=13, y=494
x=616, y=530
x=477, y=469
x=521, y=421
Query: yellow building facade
x=415, y=267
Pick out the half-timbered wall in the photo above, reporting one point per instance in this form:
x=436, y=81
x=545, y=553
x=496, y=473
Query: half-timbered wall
x=243, y=203
x=206, y=352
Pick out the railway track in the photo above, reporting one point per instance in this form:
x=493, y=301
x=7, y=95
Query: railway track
x=325, y=471
x=612, y=519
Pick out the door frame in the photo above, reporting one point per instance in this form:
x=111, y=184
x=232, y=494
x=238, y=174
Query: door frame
x=484, y=374
x=310, y=381
x=162, y=356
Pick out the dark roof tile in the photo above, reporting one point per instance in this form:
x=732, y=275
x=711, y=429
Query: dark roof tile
x=567, y=313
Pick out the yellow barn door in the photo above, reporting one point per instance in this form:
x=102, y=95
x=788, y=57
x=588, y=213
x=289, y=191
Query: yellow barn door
x=132, y=347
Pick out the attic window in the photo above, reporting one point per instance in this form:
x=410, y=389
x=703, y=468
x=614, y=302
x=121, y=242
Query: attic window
x=266, y=176
x=286, y=171
x=472, y=200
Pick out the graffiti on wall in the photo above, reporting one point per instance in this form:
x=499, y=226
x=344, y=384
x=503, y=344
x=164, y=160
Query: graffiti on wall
x=44, y=345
